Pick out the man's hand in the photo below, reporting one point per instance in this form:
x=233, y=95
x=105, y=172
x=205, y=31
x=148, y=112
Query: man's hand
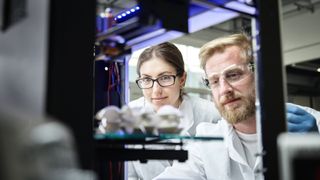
x=300, y=120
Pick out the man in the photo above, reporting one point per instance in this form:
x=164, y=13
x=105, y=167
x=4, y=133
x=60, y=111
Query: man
x=228, y=64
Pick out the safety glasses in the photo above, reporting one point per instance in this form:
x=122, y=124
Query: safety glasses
x=233, y=75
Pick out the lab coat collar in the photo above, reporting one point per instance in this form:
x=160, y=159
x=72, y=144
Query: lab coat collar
x=188, y=116
x=235, y=147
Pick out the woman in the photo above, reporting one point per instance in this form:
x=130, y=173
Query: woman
x=162, y=78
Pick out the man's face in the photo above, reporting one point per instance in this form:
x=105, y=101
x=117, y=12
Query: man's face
x=232, y=85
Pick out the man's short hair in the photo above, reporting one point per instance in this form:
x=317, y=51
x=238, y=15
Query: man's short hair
x=240, y=40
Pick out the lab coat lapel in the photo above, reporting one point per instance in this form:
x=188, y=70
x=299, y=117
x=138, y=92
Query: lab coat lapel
x=188, y=116
x=219, y=170
x=214, y=154
x=235, y=148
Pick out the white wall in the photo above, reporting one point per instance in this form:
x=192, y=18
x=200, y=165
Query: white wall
x=301, y=36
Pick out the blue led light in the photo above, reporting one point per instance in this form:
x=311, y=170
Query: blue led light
x=127, y=14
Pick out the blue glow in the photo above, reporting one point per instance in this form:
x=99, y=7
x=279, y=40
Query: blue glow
x=196, y=9
x=241, y=7
x=196, y=23
x=127, y=14
x=216, y=16
x=155, y=37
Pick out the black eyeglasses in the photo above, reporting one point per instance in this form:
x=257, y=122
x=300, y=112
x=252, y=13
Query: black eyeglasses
x=163, y=81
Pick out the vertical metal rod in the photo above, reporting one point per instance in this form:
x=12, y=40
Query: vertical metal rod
x=270, y=86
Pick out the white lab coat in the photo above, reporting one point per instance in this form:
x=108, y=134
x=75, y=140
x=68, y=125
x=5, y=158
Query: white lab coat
x=214, y=160
x=195, y=110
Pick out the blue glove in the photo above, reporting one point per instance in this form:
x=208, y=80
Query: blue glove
x=300, y=120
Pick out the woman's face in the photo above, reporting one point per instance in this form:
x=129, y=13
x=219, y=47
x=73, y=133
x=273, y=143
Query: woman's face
x=157, y=95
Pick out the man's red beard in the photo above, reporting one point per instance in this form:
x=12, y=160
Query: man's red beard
x=237, y=113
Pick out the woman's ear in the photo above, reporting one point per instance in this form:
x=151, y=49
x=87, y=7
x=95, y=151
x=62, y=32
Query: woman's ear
x=183, y=80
